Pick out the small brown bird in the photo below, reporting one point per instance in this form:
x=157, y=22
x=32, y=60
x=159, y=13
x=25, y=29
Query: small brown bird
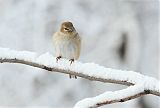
x=67, y=43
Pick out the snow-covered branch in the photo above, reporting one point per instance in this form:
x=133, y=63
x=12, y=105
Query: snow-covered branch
x=129, y=93
x=138, y=84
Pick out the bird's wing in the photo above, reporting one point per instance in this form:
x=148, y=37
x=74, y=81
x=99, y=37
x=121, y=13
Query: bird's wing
x=78, y=44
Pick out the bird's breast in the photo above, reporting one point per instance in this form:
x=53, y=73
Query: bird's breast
x=66, y=48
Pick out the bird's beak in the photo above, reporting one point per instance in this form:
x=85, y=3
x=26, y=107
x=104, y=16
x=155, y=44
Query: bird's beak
x=70, y=30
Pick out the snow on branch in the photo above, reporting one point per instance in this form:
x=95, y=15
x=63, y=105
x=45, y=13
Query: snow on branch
x=138, y=84
x=112, y=97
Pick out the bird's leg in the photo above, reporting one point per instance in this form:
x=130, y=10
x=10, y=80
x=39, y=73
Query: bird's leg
x=58, y=58
x=71, y=61
x=75, y=77
x=70, y=76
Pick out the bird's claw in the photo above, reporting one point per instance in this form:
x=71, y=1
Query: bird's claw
x=70, y=76
x=71, y=61
x=58, y=58
x=74, y=76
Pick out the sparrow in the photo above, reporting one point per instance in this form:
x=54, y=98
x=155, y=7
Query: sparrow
x=67, y=43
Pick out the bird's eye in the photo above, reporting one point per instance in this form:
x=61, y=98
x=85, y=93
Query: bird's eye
x=66, y=29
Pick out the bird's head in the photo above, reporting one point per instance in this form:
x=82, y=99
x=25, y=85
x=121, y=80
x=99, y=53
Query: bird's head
x=67, y=28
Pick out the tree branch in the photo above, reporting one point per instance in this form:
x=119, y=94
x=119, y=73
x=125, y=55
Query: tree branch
x=139, y=84
x=112, y=97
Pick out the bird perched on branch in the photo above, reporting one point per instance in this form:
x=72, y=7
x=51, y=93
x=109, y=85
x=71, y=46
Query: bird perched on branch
x=67, y=43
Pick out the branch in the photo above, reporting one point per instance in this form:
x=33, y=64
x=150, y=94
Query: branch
x=139, y=84
x=129, y=93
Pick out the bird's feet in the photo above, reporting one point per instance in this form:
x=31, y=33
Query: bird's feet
x=58, y=58
x=72, y=76
x=71, y=61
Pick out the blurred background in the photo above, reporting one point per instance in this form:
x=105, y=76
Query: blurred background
x=120, y=34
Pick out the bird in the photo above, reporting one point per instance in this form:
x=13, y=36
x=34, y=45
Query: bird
x=67, y=43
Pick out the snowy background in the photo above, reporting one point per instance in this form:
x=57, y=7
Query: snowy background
x=117, y=34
